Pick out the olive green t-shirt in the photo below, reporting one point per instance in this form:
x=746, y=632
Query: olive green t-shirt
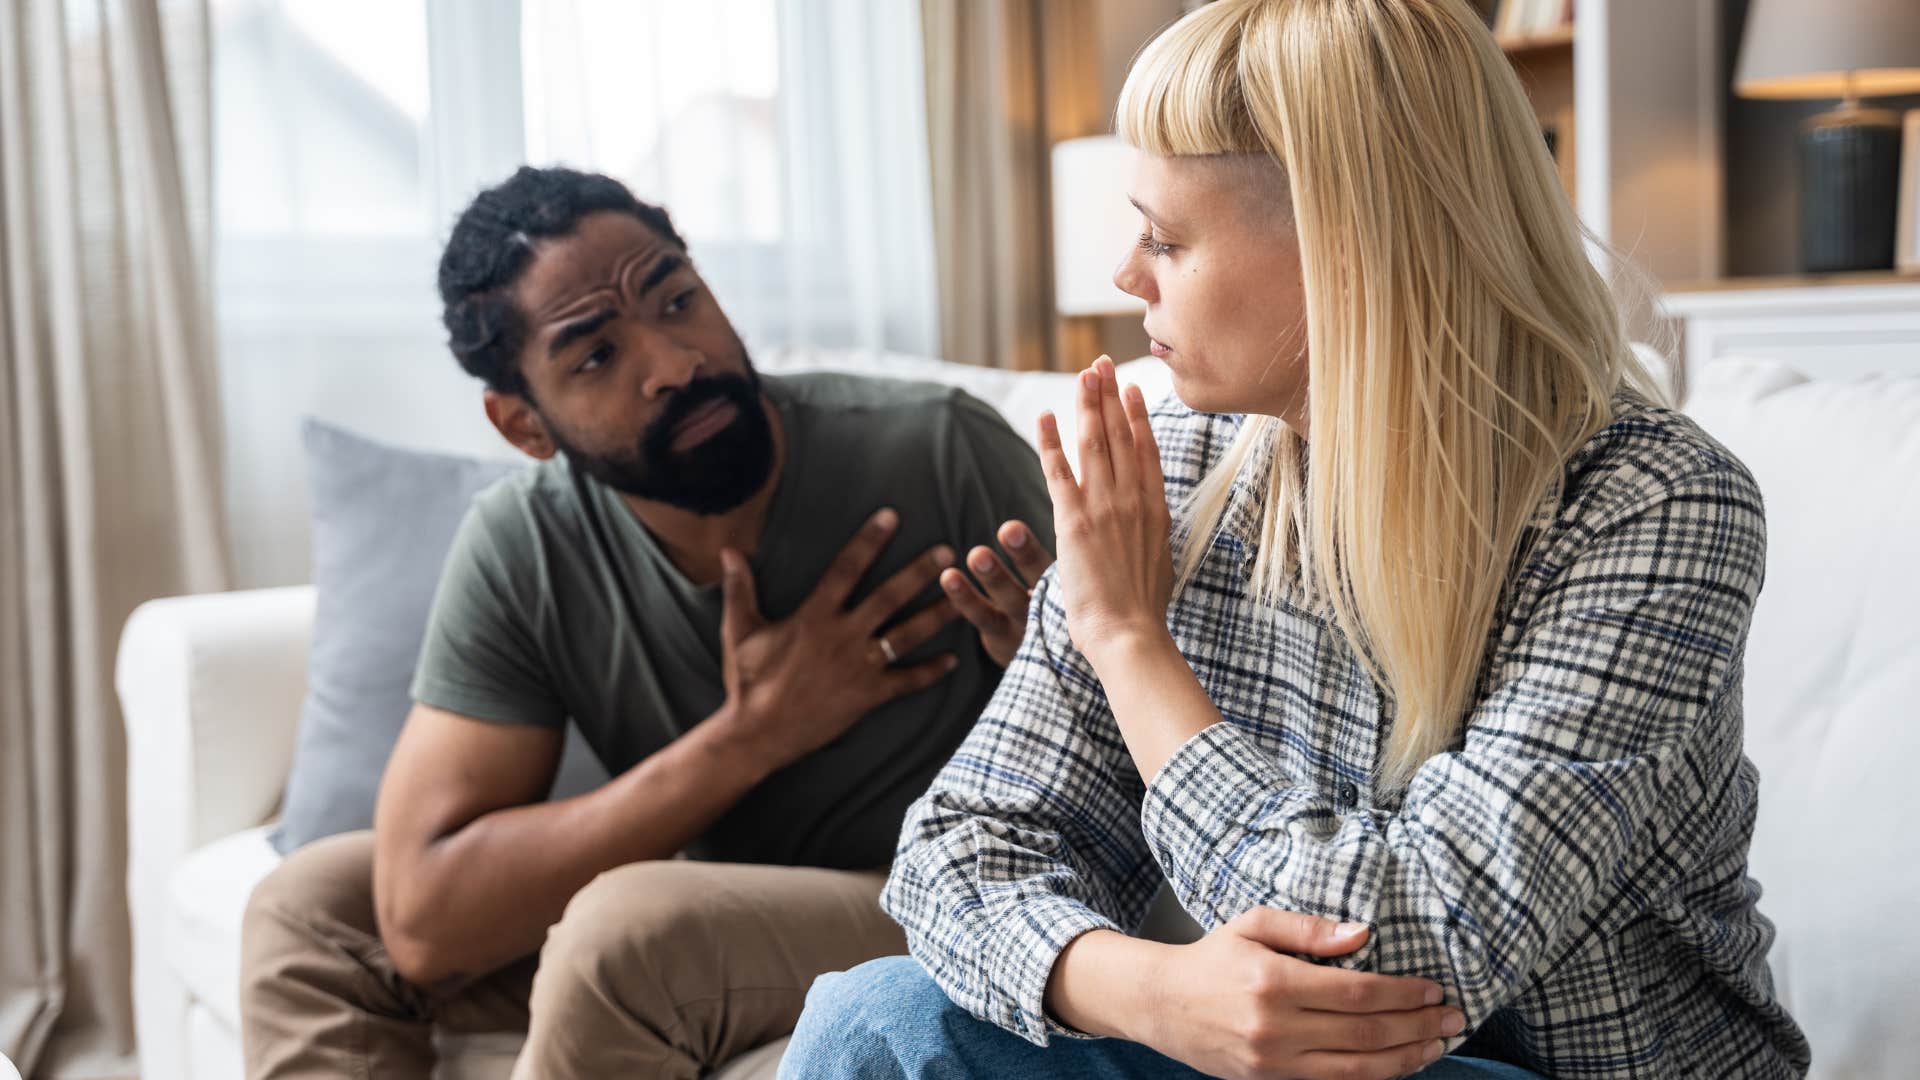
x=556, y=604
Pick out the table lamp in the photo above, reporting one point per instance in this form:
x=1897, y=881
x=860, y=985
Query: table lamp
x=1849, y=156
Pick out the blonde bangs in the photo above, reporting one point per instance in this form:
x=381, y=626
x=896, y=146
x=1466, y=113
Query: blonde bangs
x=1183, y=96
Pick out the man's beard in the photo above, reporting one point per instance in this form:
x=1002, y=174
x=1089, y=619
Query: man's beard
x=716, y=476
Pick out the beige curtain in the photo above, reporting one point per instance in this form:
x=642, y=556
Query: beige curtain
x=1006, y=79
x=109, y=486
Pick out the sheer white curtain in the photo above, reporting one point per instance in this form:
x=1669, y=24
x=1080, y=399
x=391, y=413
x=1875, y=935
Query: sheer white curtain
x=787, y=137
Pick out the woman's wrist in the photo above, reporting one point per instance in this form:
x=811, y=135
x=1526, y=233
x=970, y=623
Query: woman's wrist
x=1101, y=984
x=1123, y=648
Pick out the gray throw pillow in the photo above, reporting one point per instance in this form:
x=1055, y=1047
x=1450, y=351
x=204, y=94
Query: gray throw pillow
x=383, y=520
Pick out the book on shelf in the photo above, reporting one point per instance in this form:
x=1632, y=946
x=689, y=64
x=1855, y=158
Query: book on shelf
x=1529, y=18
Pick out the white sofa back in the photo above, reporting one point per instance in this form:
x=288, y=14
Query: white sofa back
x=1833, y=698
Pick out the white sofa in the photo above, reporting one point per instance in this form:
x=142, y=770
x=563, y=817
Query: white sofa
x=211, y=689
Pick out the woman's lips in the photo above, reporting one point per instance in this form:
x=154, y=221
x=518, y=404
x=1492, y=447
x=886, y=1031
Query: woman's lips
x=1157, y=349
x=707, y=421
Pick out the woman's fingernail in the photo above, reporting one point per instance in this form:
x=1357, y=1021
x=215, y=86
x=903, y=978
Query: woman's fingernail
x=1435, y=1050
x=943, y=556
x=1434, y=995
x=1016, y=537
x=886, y=518
x=1348, y=929
x=981, y=562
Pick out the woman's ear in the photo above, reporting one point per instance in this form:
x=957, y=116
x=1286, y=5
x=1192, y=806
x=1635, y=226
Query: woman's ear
x=518, y=422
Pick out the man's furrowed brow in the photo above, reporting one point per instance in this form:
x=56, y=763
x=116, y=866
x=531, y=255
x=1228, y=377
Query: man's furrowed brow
x=576, y=330
x=661, y=271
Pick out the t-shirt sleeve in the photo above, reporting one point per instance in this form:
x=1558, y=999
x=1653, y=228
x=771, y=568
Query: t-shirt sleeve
x=992, y=476
x=481, y=656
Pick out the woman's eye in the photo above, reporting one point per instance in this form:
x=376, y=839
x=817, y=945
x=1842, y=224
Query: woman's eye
x=1152, y=247
x=679, y=303
x=599, y=357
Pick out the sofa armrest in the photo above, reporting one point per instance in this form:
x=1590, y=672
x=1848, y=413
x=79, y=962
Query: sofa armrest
x=210, y=690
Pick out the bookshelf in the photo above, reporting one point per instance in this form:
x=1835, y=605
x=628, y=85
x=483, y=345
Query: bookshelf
x=1630, y=90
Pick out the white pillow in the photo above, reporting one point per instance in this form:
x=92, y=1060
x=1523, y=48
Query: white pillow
x=1833, y=697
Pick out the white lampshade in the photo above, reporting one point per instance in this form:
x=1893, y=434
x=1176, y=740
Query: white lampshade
x=1092, y=225
x=1814, y=48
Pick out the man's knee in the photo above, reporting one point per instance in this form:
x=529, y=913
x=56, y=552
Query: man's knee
x=635, y=928
x=320, y=891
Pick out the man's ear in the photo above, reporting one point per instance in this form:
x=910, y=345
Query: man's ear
x=518, y=422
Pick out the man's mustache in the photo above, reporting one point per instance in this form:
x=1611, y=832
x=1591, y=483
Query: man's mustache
x=689, y=399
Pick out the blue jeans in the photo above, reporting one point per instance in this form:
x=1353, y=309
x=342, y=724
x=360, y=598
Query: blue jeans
x=888, y=1020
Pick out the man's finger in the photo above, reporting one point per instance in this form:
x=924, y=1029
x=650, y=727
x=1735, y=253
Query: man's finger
x=739, y=606
x=971, y=603
x=908, y=679
x=899, y=590
x=837, y=584
x=1008, y=595
x=1029, y=558
x=913, y=632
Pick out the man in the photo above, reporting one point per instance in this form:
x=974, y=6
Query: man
x=727, y=582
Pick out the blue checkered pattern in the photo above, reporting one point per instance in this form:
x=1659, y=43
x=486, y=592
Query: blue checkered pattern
x=1573, y=870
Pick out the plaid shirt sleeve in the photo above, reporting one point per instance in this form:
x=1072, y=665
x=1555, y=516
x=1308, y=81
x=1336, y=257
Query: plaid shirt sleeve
x=1029, y=837
x=1602, y=730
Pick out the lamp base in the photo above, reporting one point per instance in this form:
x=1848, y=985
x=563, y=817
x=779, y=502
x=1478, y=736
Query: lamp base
x=1849, y=189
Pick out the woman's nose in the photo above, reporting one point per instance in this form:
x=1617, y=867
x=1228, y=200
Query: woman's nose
x=1134, y=279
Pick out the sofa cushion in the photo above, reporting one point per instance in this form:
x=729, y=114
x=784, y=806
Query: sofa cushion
x=1832, y=675
x=383, y=521
x=206, y=898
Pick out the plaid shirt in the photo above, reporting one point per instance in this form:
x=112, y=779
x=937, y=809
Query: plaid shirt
x=1572, y=871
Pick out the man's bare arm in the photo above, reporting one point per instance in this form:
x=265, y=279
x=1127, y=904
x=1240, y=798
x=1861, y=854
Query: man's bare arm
x=470, y=868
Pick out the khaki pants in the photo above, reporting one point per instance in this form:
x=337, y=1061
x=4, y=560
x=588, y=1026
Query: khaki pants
x=657, y=969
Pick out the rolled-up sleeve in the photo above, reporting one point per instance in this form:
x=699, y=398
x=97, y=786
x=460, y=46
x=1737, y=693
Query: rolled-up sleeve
x=1029, y=837
x=1612, y=718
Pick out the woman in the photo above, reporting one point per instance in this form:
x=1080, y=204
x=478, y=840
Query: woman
x=1445, y=640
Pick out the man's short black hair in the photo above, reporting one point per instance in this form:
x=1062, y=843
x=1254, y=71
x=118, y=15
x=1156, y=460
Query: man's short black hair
x=491, y=245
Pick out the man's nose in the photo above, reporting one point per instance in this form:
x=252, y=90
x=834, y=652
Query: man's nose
x=670, y=364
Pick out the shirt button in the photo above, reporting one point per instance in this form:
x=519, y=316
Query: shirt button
x=1348, y=794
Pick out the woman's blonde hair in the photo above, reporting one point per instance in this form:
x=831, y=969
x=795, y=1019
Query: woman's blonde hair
x=1460, y=345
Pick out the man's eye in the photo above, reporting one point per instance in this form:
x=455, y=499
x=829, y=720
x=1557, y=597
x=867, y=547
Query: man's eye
x=600, y=356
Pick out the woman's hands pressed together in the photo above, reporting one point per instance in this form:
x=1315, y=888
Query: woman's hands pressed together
x=1111, y=523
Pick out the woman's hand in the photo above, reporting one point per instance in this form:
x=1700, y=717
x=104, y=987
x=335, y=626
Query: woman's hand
x=1111, y=524
x=1234, y=1005
x=1240, y=1003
